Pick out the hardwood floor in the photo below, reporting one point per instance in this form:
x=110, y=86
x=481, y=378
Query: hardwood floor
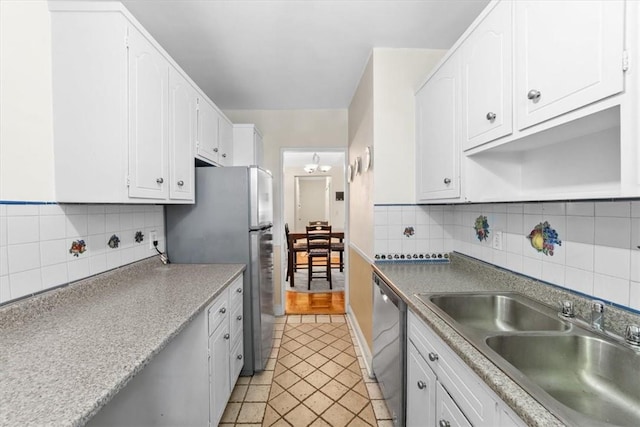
x=317, y=302
x=314, y=303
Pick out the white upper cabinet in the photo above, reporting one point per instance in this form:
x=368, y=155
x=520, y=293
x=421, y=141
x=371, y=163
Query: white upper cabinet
x=487, y=79
x=567, y=54
x=208, y=121
x=437, y=148
x=182, y=136
x=225, y=129
x=124, y=110
x=148, y=119
x=247, y=145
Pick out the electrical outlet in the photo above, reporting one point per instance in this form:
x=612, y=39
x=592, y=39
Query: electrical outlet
x=497, y=240
x=153, y=236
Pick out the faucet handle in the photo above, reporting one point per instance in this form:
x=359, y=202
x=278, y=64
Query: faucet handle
x=567, y=309
x=632, y=335
x=597, y=306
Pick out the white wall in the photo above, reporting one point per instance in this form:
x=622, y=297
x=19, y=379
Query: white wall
x=26, y=116
x=397, y=75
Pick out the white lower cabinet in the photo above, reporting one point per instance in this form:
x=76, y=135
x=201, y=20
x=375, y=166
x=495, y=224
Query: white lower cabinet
x=226, y=356
x=219, y=381
x=190, y=381
x=421, y=389
x=442, y=390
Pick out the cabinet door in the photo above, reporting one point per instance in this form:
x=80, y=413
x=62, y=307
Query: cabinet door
x=568, y=54
x=226, y=142
x=208, y=133
x=148, y=123
x=219, y=385
x=486, y=79
x=447, y=412
x=421, y=390
x=182, y=136
x=437, y=148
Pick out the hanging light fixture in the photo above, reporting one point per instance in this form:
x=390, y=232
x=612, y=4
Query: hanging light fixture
x=315, y=165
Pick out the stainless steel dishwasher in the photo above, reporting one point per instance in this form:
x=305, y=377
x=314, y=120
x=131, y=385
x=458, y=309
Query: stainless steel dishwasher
x=389, y=343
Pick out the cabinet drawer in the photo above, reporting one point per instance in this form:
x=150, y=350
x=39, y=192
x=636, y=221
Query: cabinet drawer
x=236, y=362
x=236, y=291
x=464, y=386
x=218, y=311
x=447, y=412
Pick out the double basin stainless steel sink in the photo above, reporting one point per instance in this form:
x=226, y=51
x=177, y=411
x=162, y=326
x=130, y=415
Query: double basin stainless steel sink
x=583, y=377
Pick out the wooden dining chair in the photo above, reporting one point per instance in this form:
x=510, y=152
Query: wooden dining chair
x=319, y=249
x=293, y=248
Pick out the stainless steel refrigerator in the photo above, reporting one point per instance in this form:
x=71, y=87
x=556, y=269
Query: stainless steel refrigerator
x=231, y=222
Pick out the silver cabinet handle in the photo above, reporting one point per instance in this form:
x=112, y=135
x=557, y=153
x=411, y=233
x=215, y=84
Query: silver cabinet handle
x=491, y=116
x=447, y=181
x=422, y=385
x=215, y=150
x=239, y=357
x=180, y=183
x=239, y=317
x=239, y=290
x=444, y=423
x=223, y=310
x=433, y=357
x=224, y=155
x=160, y=180
x=226, y=336
x=534, y=95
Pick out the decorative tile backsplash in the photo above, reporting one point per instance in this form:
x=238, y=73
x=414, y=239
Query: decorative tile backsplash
x=587, y=247
x=46, y=245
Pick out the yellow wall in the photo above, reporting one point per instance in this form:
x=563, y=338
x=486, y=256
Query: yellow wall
x=397, y=75
x=361, y=189
x=361, y=294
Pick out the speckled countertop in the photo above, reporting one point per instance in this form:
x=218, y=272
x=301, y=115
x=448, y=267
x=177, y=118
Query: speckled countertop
x=464, y=274
x=64, y=354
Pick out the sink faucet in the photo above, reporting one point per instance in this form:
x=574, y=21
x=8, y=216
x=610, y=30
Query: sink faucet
x=597, y=315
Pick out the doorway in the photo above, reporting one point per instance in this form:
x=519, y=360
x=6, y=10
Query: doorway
x=313, y=189
x=312, y=201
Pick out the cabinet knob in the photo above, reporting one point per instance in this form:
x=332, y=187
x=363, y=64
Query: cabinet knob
x=223, y=310
x=447, y=181
x=239, y=317
x=215, y=150
x=226, y=336
x=160, y=180
x=444, y=423
x=534, y=95
x=180, y=183
x=491, y=116
x=239, y=357
x=224, y=155
x=422, y=385
x=433, y=357
x=239, y=290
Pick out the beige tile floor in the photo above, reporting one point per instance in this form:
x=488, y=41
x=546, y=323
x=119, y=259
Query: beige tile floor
x=315, y=377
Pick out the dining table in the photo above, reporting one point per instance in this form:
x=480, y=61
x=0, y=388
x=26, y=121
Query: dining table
x=299, y=235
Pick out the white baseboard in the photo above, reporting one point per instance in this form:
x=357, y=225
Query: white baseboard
x=362, y=343
x=278, y=310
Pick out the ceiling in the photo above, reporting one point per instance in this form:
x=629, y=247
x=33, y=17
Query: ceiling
x=293, y=54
